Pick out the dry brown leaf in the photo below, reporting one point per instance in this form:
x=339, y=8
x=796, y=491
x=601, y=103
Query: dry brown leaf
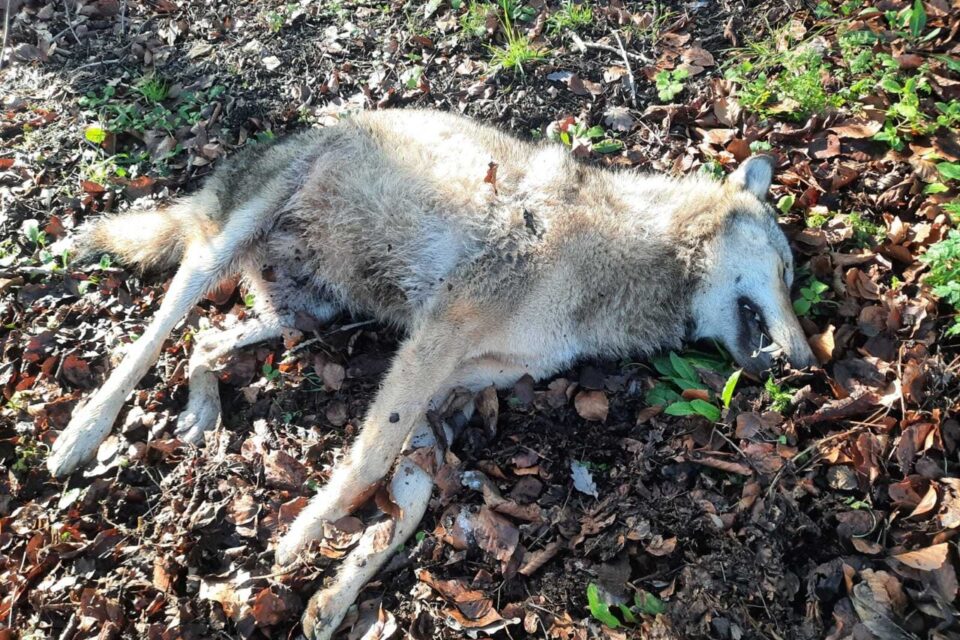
x=270, y=609
x=823, y=345
x=927, y=559
x=165, y=573
x=857, y=128
x=488, y=408
x=661, y=546
x=698, y=56
x=724, y=465
x=533, y=561
x=283, y=471
x=496, y=535
x=592, y=405
x=949, y=515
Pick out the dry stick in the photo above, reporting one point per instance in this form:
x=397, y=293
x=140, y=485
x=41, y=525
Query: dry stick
x=311, y=341
x=626, y=62
x=66, y=10
x=605, y=47
x=96, y=64
x=6, y=32
x=72, y=625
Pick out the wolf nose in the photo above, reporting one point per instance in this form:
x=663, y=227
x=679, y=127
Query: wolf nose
x=802, y=357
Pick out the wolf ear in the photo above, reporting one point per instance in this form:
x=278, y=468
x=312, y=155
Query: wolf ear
x=754, y=175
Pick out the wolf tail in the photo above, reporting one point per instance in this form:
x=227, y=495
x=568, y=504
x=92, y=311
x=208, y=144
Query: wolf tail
x=152, y=239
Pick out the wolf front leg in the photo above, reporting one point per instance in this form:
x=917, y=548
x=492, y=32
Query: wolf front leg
x=421, y=371
x=410, y=487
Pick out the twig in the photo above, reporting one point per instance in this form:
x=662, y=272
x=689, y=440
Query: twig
x=606, y=47
x=860, y=426
x=311, y=341
x=6, y=32
x=72, y=625
x=626, y=62
x=97, y=63
x=66, y=10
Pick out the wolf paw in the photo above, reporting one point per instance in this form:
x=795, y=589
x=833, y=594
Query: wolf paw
x=325, y=507
x=201, y=415
x=288, y=548
x=78, y=443
x=324, y=613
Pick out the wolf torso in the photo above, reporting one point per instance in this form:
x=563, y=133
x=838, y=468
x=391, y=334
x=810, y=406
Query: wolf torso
x=400, y=214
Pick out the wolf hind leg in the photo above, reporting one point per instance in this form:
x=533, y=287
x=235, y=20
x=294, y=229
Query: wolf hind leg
x=204, y=264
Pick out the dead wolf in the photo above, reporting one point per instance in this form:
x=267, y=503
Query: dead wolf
x=497, y=257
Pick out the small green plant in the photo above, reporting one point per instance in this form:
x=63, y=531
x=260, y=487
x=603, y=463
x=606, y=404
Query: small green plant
x=570, y=17
x=598, y=139
x=904, y=117
x=816, y=219
x=8, y=252
x=670, y=83
x=32, y=232
x=679, y=374
x=270, y=372
x=949, y=170
x=952, y=209
x=785, y=203
x=810, y=297
x=517, y=11
x=780, y=397
x=100, y=168
x=729, y=387
x=29, y=455
x=865, y=233
x=473, y=21
x=153, y=89
x=143, y=108
x=943, y=258
x=276, y=20
x=599, y=609
x=712, y=169
x=644, y=603
x=517, y=50
x=95, y=134
x=789, y=84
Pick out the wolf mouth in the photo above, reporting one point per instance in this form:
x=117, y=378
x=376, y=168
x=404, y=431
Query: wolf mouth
x=754, y=335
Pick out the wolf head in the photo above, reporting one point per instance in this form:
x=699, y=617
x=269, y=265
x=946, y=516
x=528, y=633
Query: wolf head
x=743, y=298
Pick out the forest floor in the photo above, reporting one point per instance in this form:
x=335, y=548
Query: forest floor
x=622, y=499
